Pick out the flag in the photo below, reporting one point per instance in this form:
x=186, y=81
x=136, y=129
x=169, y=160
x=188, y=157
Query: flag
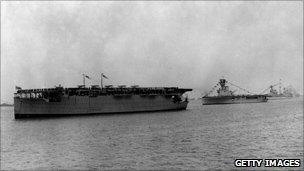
x=104, y=76
x=17, y=88
x=86, y=76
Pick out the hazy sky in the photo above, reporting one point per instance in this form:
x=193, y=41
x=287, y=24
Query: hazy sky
x=184, y=44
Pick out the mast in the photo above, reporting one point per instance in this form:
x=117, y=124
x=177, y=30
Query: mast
x=101, y=80
x=280, y=87
x=83, y=79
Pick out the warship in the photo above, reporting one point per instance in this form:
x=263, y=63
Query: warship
x=225, y=96
x=274, y=94
x=96, y=99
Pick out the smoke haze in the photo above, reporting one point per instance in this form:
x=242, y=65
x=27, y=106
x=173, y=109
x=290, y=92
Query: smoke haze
x=184, y=44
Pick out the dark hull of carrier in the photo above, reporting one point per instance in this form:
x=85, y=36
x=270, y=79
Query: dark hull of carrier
x=105, y=101
x=234, y=99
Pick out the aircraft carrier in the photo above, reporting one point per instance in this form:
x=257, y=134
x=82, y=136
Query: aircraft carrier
x=95, y=99
x=225, y=96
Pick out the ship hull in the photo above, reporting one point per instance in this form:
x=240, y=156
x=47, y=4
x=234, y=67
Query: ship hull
x=233, y=99
x=278, y=97
x=82, y=105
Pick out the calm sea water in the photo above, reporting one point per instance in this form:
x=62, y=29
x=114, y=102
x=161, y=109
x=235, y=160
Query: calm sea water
x=201, y=137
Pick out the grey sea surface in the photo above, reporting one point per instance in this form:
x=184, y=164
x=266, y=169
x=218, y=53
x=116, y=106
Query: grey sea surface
x=199, y=138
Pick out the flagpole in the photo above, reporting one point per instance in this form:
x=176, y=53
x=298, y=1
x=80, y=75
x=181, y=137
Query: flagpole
x=83, y=80
x=101, y=80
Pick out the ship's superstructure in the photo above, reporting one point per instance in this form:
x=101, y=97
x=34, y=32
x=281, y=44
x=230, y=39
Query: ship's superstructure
x=95, y=99
x=287, y=92
x=226, y=96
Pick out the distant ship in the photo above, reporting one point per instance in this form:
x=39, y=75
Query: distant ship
x=274, y=94
x=97, y=99
x=225, y=96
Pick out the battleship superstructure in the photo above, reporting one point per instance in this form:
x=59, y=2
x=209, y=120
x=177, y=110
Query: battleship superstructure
x=225, y=96
x=97, y=100
x=274, y=94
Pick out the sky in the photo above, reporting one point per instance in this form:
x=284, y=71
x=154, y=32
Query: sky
x=161, y=43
